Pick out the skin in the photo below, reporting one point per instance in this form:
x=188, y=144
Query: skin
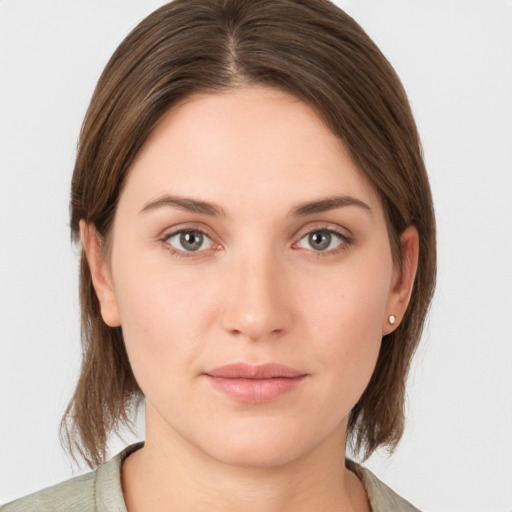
x=258, y=290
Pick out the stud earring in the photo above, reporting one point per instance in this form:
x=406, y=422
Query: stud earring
x=392, y=319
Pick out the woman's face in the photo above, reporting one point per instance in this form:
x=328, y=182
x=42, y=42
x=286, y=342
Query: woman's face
x=251, y=272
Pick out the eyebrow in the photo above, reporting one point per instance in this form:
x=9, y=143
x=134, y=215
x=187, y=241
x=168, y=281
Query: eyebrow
x=185, y=203
x=301, y=210
x=328, y=203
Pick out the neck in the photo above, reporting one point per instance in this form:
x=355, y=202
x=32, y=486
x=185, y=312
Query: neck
x=170, y=473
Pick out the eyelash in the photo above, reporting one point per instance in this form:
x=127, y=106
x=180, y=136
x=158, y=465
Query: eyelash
x=345, y=242
x=183, y=254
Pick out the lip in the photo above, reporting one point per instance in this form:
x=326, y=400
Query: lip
x=254, y=384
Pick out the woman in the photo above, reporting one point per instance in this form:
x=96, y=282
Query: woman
x=258, y=259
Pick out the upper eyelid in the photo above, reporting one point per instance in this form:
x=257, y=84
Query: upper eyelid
x=344, y=239
x=171, y=231
x=324, y=226
x=167, y=236
x=165, y=240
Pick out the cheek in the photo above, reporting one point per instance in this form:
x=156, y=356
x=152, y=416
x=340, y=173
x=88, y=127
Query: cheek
x=351, y=301
x=345, y=316
x=162, y=317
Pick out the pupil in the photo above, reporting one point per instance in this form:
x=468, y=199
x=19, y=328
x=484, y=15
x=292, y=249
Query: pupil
x=192, y=240
x=320, y=240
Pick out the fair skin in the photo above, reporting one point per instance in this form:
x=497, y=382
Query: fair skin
x=267, y=272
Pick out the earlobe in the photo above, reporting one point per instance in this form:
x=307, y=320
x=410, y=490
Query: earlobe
x=403, y=283
x=100, y=274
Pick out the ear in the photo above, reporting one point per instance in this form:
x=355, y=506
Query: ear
x=403, y=281
x=100, y=273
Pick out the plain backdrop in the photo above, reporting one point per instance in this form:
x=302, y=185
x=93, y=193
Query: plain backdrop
x=454, y=57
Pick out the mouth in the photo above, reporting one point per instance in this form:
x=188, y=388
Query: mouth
x=254, y=384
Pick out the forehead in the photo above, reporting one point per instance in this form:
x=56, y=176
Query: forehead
x=247, y=143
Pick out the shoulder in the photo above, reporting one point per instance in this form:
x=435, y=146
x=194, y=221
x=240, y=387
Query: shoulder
x=74, y=494
x=97, y=491
x=382, y=498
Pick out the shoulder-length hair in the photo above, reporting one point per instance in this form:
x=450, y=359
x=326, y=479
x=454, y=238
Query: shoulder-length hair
x=319, y=54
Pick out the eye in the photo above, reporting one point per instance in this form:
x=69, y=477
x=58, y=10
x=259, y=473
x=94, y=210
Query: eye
x=189, y=241
x=322, y=240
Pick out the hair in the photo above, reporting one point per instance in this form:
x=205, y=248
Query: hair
x=312, y=50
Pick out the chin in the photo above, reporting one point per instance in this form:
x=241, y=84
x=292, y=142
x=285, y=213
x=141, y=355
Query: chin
x=261, y=445
x=257, y=455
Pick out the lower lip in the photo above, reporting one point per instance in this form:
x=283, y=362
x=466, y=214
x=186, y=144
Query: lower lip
x=255, y=391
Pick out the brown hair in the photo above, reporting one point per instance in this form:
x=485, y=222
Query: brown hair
x=309, y=48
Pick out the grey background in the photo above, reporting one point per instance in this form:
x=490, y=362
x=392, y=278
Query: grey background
x=454, y=57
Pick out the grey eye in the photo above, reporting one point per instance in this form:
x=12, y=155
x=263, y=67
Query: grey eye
x=321, y=240
x=190, y=241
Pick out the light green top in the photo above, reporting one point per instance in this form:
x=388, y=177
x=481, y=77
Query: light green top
x=100, y=491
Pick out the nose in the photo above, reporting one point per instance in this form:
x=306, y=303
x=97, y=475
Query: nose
x=257, y=301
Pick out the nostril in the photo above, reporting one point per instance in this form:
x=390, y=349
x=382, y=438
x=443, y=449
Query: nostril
x=256, y=304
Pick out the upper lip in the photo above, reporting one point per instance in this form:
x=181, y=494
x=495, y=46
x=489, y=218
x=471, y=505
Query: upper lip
x=251, y=371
